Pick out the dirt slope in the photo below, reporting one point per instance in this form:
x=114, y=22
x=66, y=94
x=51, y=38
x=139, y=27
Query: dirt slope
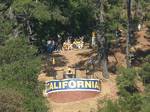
x=109, y=89
x=142, y=42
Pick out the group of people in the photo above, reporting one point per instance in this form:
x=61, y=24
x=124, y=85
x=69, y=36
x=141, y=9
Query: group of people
x=59, y=44
x=76, y=44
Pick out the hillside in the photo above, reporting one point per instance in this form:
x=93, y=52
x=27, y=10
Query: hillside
x=108, y=87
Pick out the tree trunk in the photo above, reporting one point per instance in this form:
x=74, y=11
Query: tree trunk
x=10, y=13
x=101, y=40
x=102, y=54
x=105, y=68
x=128, y=61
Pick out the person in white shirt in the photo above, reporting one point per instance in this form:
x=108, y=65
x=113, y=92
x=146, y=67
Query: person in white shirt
x=139, y=27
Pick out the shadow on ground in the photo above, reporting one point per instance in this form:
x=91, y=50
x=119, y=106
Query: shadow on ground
x=87, y=54
x=60, y=60
x=139, y=56
x=55, y=60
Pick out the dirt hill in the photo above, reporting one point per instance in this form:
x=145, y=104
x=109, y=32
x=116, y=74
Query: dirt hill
x=74, y=57
x=70, y=58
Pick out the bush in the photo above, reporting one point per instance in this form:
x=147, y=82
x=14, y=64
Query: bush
x=129, y=100
x=126, y=81
x=131, y=103
x=22, y=72
x=110, y=107
x=15, y=50
x=146, y=103
x=11, y=100
x=18, y=71
x=145, y=73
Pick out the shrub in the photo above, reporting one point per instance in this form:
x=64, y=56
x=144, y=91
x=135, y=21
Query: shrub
x=110, y=106
x=11, y=100
x=126, y=81
x=15, y=50
x=145, y=73
x=18, y=71
x=131, y=103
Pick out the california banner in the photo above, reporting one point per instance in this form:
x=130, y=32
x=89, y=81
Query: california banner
x=73, y=85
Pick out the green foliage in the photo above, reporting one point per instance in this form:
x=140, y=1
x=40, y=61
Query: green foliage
x=146, y=102
x=146, y=107
x=11, y=100
x=81, y=18
x=129, y=98
x=51, y=17
x=16, y=49
x=110, y=106
x=145, y=73
x=18, y=71
x=6, y=28
x=41, y=13
x=126, y=81
x=131, y=103
x=19, y=5
x=24, y=70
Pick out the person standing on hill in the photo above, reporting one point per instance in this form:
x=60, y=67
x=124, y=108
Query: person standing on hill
x=139, y=27
x=93, y=39
x=53, y=46
x=59, y=47
x=49, y=44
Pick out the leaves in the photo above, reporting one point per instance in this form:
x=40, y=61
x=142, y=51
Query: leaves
x=110, y=107
x=18, y=71
x=126, y=81
x=11, y=100
x=16, y=49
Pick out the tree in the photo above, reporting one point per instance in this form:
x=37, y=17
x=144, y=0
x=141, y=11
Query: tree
x=15, y=50
x=101, y=38
x=19, y=69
